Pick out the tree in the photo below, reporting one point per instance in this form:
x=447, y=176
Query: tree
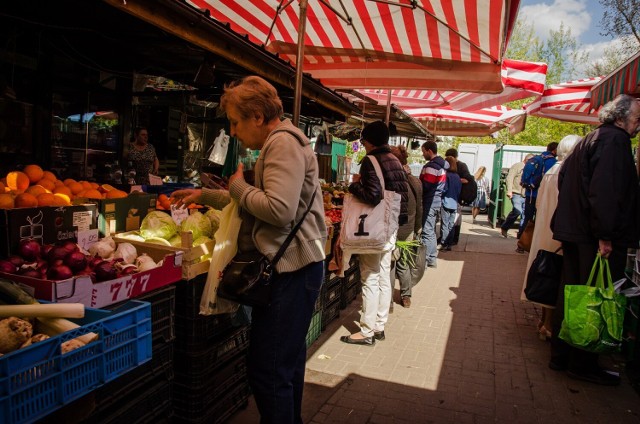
x=621, y=19
x=611, y=59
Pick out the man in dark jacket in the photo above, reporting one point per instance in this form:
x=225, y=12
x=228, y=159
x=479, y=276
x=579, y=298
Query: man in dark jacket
x=375, y=268
x=433, y=177
x=466, y=178
x=596, y=213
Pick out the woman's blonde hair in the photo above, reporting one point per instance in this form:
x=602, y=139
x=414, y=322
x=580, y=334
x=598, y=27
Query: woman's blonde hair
x=251, y=96
x=480, y=172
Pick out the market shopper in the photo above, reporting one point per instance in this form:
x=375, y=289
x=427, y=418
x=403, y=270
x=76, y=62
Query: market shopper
x=469, y=188
x=483, y=190
x=450, y=195
x=286, y=181
x=375, y=268
x=433, y=177
x=597, y=212
x=515, y=192
x=143, y=156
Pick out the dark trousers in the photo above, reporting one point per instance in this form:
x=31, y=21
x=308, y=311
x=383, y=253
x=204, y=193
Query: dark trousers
x=529, y=213
x=576, y=266
x=277, y=349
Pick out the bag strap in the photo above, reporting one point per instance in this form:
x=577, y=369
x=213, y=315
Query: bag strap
x=376, y=166
x=292, y=234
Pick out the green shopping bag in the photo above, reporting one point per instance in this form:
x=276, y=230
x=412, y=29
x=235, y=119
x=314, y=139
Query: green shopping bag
x=594, y=314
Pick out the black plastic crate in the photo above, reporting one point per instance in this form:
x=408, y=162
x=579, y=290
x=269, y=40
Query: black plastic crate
x=352, y=277
x=188, y=294
x=331, y=291
x=349, y=295
x=200, y=397
x=221, y=410
x=196, y=333
x=191, y=363
x=163, y=313
x=330, y=312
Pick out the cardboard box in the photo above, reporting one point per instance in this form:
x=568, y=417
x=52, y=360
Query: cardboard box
x=125, y=214
x=82, y=289
x=47, y=225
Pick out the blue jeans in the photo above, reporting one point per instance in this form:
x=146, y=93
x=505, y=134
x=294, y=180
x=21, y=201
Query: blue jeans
x=448, y=221
x=518, y=207
x=428, y=237
x=528, y=214
x=277, y=349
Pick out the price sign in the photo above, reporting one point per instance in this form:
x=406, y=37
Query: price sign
x=155, y=180
x=86, y=238
x=179, y=214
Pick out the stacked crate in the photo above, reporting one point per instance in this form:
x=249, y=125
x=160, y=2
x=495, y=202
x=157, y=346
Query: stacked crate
x=210, y=359
x=351, y=284
x=145, y=393
x=331, y=294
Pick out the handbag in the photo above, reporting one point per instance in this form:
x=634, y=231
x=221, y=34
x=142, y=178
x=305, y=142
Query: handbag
x=543, y=278
x=524, y=242
x=594, y=313
x=420, y=261
x=367, y=228
x=247, y=277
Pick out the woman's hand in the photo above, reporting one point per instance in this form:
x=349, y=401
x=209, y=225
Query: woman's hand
x=185, y=197
x=604, y=248
x=239, y=174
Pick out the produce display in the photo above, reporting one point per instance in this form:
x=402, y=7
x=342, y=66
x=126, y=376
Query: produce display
x=34, y=187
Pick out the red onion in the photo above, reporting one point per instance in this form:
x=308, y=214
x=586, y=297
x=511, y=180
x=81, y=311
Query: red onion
x=29, y=249
x=105, y=271
x=44, y=250
x=57, y=253
x=59, y=272
x=128, y=270
x=70, y=246
x=8, y=267
x=75, y=260
x=18, y=261
x=94, y=261
x=31, y=273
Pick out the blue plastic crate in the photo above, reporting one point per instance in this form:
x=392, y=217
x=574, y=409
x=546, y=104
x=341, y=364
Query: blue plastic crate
x=36, y=380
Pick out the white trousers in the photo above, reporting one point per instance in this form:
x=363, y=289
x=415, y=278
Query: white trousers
x=375, y=274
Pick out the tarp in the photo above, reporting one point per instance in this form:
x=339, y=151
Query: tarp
x=401, y=44
x=569, y=101
x=483, y=122
x=624, y=80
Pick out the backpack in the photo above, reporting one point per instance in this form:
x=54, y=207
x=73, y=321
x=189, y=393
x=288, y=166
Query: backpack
x=469, y=191
x=533, y=172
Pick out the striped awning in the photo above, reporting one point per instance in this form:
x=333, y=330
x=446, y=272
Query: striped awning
x=569, y=101
x=393, y=44
x=483, y=122
x=624, y=80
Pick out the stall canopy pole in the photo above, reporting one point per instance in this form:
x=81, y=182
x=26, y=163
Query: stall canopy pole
x=297, y=100
x=388, y=108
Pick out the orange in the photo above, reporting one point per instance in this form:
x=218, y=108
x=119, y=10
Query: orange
x=69, y=181
x=115, y=194
x=64, y=190
x=75, y=187
x=46, y=199
x=48, y=184
x=34, y=172
x=92, y=193
x=6, y=201
x=86, y=185
x=58, y=183
x=17, y=180
x=26, y=200
x=49, y=175
x=2, y=187
x=61, y=199
x=36, y=190
x=95, y=185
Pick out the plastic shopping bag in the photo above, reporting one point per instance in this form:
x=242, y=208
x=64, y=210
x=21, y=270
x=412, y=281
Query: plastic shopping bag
x=220, y=147
x=594, y=314
x=225, y=249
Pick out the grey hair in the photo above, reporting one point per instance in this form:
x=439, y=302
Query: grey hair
x=617, y=108
x=566, y=145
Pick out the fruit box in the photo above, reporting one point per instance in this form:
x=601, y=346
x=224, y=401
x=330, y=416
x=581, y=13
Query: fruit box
x=47, y=224
x=82, y=289
x=38, y=379
x=124, y=214
x=192, y=265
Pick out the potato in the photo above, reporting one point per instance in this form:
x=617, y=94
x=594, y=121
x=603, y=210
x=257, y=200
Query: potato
x=14, y=332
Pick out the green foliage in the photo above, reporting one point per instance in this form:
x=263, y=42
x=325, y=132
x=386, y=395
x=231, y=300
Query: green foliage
x=621, y=19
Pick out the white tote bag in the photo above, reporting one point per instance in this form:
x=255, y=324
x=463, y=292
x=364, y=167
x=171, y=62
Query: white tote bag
x=367, y=228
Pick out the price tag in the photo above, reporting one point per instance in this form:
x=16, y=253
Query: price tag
x=155, y=180
x=135, y=188
x=87, y=238
x=179, y=214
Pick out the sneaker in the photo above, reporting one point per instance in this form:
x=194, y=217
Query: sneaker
x=519, y=250
x=432, y=265
x=406, y=301
x=446, y=248
x=505, y=233
x=596, y=376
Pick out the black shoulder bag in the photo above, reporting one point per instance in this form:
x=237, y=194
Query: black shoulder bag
x=543, y=278
x=247, y=278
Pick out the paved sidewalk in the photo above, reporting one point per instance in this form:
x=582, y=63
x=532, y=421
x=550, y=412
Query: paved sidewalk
x=465, y=352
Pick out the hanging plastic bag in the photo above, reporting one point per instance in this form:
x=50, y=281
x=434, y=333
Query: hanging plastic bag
x=220, y=146
x=225, y=249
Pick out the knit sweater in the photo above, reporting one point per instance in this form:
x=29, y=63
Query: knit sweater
x=286, y=175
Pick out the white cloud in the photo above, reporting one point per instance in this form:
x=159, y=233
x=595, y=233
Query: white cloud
x=548, y=16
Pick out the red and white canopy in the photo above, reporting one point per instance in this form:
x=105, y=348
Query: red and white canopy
x=446, y=121
x=403, y=44
x=569, y=101
x=624, y=80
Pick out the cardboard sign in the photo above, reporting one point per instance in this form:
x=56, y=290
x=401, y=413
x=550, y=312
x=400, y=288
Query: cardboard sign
x=179, y=214
x=155, y=180
x=87, y=238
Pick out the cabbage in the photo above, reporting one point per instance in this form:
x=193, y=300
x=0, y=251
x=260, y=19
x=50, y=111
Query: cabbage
x=201, y=240
x=176, y=241
x=214, y=217
x=158, y=224
x=198, y=224
x=131, y=236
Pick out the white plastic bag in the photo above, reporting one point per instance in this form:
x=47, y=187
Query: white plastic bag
x=220, y=147
x=225, y=249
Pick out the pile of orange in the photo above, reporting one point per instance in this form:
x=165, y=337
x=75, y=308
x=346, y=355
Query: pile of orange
x=35, y=187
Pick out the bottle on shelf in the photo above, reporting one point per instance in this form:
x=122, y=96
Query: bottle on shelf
x=131, y=174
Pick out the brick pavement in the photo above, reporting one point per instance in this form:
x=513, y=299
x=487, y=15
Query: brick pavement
x=465, y=352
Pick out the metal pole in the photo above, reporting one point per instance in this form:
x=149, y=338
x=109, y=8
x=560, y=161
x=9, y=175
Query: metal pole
x=386, y=121
x=297, y=99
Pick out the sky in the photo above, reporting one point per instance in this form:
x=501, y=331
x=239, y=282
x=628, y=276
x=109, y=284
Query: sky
x=582, y=16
